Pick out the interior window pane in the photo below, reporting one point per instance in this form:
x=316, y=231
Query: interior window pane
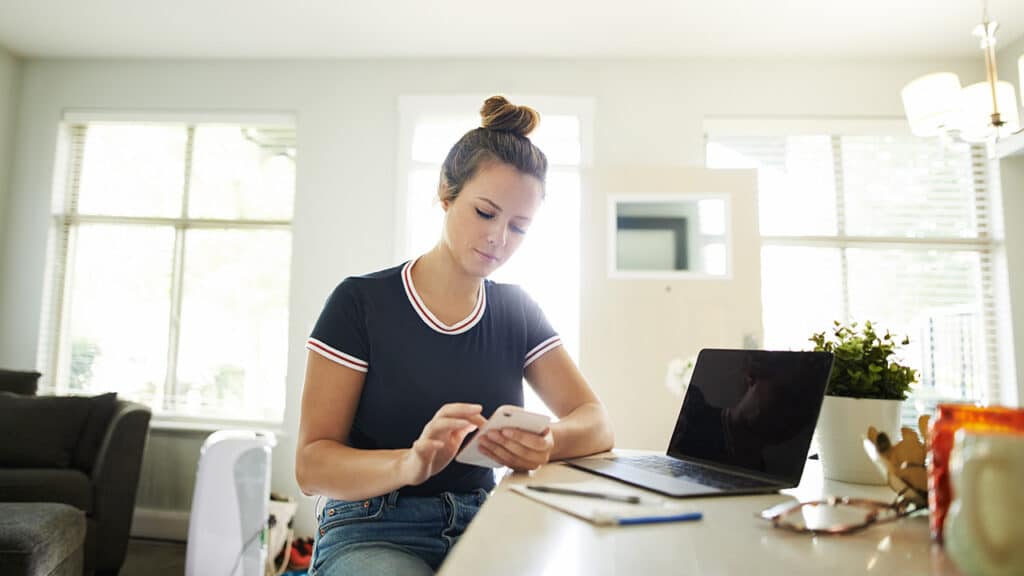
x=434, y=136
x=133, y=170
x=424, y=215
x=234, y=324
x=801, y=293
x=559, y=138
x=796, y=186
x=712, y=217
x=547, y=264
x=908, y=187
x=893, y=187
x=934, y=297
x=715, y=259
x=242, y=173
x=120, y=298
x=645, y=250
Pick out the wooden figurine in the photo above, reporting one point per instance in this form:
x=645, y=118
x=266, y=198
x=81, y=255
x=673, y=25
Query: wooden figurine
x=903, y=463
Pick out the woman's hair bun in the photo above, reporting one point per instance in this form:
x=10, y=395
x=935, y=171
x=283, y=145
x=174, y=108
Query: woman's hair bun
x=499, y=114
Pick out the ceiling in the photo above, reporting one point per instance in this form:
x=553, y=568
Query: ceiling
x=285, y=29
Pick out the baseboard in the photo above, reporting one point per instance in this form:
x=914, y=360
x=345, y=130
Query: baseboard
x=160, y=524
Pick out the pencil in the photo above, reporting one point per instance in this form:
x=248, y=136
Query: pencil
x=585, y=494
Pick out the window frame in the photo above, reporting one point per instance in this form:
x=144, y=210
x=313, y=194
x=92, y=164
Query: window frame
x=413, y=108
x=66, y=219
x=987, y=244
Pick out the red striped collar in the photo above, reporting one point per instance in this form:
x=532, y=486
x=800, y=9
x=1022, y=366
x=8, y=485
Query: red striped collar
x=428, y=317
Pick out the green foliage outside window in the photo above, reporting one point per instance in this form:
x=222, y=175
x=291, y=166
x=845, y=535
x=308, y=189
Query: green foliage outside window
x=83, y=355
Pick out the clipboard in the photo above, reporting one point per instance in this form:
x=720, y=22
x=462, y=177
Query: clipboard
x=602, y=512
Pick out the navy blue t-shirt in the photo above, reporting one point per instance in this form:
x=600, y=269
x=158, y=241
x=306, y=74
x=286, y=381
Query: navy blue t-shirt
x=414, y=363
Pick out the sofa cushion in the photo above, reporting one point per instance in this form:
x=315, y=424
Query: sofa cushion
x=19, y=382
x=40, y=431
x=65, y=485
x=101, y=408
x=40, y=537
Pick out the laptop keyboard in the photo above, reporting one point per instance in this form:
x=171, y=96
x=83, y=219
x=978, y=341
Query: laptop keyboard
x=679, y=468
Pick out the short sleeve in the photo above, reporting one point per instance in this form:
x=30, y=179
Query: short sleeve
x=541, y=338
x=340, y=332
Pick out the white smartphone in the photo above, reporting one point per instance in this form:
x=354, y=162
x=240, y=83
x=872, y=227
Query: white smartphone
x=506, y=416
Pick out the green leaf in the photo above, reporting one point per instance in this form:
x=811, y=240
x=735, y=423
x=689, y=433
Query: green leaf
x=863, y=362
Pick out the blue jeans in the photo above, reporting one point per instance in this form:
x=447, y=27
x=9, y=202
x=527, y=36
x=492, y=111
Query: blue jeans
x=391, y=534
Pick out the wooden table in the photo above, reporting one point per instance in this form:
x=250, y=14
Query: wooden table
x=516, y=535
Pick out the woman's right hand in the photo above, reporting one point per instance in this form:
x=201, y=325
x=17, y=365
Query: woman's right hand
x=439, y=441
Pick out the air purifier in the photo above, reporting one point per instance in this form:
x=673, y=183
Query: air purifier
x=228, y=524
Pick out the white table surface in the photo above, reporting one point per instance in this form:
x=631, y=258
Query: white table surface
x=516, y=535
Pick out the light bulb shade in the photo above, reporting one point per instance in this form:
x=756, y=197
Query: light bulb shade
x=976, y=116
x=932, y=103
x=1020, y=75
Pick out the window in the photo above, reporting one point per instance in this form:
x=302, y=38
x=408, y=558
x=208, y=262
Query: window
x=877, y=226
x=170, y=253
x=547, y=263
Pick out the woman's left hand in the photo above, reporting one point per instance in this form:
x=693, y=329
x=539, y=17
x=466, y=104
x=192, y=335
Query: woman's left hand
x=518, y=449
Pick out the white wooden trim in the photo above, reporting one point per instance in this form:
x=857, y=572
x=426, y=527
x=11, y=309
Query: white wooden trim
x=612, y=235
x=160, y=524
x=796, y=125
x=248, y=119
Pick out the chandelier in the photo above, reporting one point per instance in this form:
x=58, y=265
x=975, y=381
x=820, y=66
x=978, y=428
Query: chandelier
x=983, y=112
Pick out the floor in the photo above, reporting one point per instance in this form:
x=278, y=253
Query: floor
x=154, y=558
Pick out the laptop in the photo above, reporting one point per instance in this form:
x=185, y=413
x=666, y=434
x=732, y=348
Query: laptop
x=744, y=428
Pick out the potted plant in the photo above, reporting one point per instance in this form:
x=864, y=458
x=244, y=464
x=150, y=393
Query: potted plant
x=867, y=388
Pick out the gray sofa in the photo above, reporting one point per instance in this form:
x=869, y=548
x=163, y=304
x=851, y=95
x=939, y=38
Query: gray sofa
x=81, y=451
x=41, y=539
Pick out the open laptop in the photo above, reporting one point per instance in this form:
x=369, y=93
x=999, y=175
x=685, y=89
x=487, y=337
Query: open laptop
x=744, y=428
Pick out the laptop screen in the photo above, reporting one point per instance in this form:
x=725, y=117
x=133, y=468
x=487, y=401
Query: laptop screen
x=752, y=409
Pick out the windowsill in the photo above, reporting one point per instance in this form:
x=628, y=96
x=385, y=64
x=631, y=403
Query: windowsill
x=198, y=424
x=207, y=425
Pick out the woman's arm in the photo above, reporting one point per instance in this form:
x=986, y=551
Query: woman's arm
x=326, y=465
x=584, y=426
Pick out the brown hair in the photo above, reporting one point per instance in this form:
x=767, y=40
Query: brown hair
x=501, y=137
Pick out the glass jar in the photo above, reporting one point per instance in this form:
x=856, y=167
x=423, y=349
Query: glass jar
x=950, y=418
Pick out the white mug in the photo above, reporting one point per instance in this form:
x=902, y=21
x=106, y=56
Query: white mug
x=984, y=534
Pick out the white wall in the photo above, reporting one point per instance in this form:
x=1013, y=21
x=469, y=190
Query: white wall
x=1011, y=181
x=647, y=113
x=10, y=69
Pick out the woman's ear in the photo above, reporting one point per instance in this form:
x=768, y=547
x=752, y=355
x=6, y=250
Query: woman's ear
x=442, y=195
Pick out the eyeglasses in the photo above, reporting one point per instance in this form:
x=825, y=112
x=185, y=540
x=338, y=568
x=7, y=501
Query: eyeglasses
x=838, y=515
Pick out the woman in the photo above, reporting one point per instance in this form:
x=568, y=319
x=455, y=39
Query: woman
x=405, y=362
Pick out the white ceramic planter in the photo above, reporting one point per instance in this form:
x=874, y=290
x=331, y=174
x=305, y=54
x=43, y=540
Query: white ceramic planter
x=842, y=427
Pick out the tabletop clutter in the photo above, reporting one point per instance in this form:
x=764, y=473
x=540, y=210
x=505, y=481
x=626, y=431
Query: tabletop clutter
x=964, y=467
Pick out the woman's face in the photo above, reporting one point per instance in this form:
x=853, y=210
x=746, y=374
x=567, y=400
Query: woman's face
x=487, y=221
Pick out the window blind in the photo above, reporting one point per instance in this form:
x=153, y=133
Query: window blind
x=154, y=227
x=882, y=227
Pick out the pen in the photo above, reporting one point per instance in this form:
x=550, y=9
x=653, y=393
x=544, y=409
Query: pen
x=655, y=519
x=585, y=493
